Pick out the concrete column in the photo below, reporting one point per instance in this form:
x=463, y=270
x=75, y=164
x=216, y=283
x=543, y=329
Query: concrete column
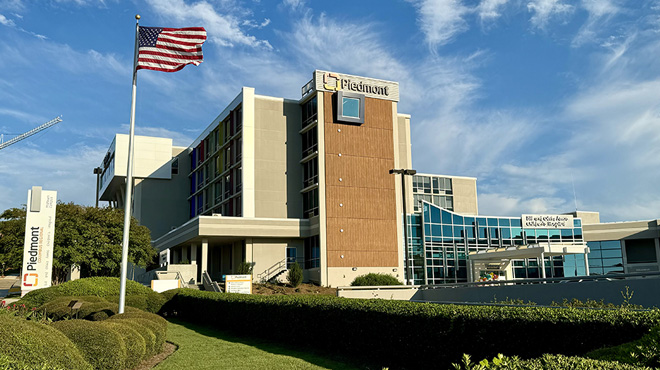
x=205, y=255
x=586, y=261
x=542, y=265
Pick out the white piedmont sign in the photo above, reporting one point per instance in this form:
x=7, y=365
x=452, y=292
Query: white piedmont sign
x=239, y=284
x=39, y=239
x=547, y=221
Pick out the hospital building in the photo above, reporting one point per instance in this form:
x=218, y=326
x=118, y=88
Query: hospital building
x=274, y=181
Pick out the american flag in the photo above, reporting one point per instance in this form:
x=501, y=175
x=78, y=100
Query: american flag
x=170, y=49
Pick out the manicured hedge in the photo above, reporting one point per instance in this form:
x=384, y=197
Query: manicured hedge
x=644, y=351
x=400, y=333
x=137, y=295
x=545, y=362
x=153, y=322
x=93, y=308
x=134, y=341
x=374, y=279
x=101, y=346
x=31, y=345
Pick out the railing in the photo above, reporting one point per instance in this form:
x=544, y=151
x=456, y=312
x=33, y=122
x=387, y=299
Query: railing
x=209, y=284
x=272, y=271
x=177, y=275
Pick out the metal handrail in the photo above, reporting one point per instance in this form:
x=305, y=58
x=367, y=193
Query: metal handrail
x=209, y=284
x=272, y=271
x=178, y=277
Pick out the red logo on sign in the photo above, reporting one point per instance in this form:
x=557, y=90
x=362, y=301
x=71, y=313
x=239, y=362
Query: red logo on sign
x=27, y=276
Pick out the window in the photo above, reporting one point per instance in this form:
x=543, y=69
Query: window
x=291, y=256
x=175, y=166
x=350, y=107
x=309, y=111
x=309, y=141
x=310, y=173
x=312, y=252
x=311, y=203
x=641, y=251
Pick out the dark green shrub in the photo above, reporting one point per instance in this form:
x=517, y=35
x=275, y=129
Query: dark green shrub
x=642, y=352
x=93, y=308
x=545, y=362
x=394, y=332
x=150, y=302
x=135, y=343
x=153, y=322
x=104, y=287
x=245, y=268
x=146, y=333
x=30, y=345
x=100, y=345
x=295, y=275
x=374, y=279
x=10, y=363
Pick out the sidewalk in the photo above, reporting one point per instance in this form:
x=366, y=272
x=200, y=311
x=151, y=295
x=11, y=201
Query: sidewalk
x=7, y=283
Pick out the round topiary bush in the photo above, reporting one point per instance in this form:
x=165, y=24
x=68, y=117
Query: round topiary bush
x=135, y=343
x=374, y=279
x=104, y=287
x=155, y=323
x=102, y=346
x=32, y=345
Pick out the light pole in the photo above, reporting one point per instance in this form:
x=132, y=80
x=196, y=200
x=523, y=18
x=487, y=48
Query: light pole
x=97, y=171
x=404, y=173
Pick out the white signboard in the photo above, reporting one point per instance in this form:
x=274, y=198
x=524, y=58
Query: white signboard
x=547, y=221
x=380, y=89
x=239, y=284
x=39, y=239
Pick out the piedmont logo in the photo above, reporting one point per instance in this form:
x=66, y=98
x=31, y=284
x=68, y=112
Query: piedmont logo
x=27, y=277
x=352, y=85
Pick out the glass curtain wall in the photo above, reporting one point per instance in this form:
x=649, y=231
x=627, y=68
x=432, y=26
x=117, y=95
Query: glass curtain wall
x=216, y=170
x=448, y=238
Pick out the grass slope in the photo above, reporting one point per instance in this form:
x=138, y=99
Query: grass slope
x=203, y=348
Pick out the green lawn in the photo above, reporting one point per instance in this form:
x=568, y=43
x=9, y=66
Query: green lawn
x=203, y=348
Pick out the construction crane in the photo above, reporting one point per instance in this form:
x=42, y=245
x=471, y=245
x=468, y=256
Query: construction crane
x=30, y=133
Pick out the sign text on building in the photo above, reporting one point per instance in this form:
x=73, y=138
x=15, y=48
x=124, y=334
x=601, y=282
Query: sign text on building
x=547, y=221
x=381, y=89
x=239, y=284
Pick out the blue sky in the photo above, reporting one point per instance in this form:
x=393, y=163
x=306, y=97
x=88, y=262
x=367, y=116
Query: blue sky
x=535, y=98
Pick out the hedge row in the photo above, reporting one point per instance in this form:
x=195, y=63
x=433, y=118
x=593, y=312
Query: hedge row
x=395, y=332
x=30, y=345
x=93, y=308
x=137, y=295
x=545, y=362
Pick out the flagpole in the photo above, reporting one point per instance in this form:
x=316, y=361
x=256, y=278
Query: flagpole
x=129, y=178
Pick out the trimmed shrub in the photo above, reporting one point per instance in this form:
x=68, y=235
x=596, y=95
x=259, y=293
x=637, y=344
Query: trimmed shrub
x=105, y=287
x=295, y=275
x=642, y=352
x=153, y=322
x=135, y=343
x=374, y=279
x=101, y=346
x=29, y=345
x=394, y=332
x=93, y=308
x=545, y=362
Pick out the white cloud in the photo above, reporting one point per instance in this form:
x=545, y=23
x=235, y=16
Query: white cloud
x=600, y=11
x=490, y=10
x=222, y=28
x=13, y=5
x=6, y=22
x=544, y=10
x=441, y=20
x=294, y=4
x=68, y=171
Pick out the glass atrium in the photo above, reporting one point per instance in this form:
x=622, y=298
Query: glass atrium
x=440, y=242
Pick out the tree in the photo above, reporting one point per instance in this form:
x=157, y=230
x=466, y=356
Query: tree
x=85, y=236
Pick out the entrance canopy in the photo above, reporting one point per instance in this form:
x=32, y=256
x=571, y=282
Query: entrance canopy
x=528, y=251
